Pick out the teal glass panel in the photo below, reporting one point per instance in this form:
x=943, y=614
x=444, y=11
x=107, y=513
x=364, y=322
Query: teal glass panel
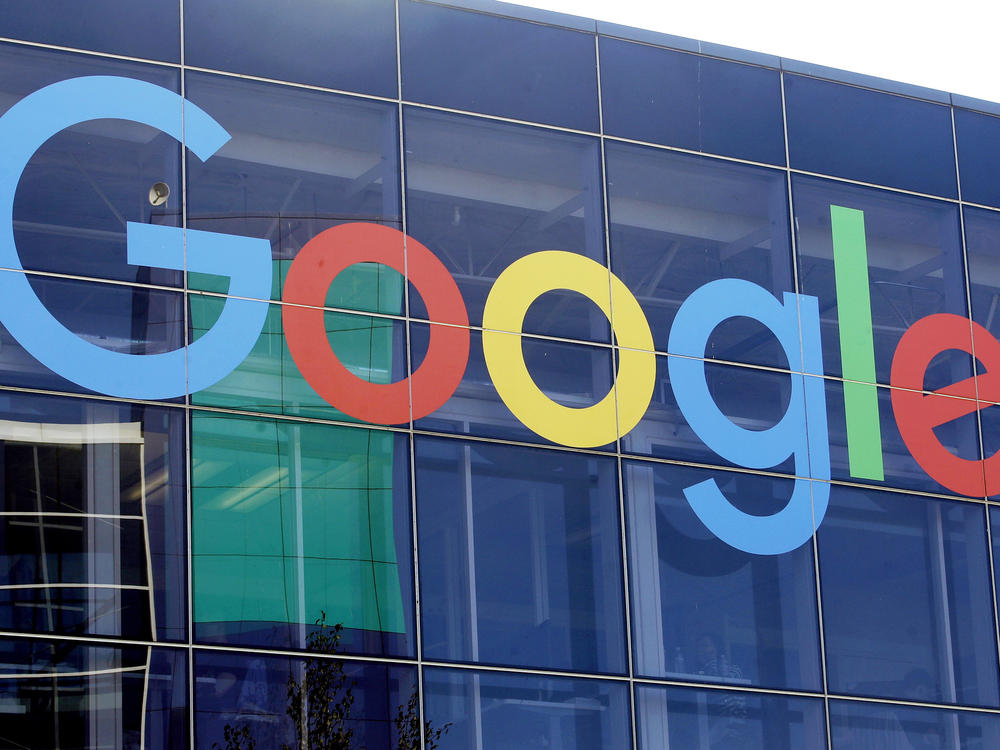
x=297, y=523
x=268, y=380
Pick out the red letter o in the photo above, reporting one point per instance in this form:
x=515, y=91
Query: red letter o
x=306, y=286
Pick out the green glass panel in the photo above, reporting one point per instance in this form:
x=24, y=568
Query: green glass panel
x=291, y=520
x=268, y=380
x=367, y=287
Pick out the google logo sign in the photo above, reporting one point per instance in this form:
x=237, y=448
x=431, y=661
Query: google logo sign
x=794, y=320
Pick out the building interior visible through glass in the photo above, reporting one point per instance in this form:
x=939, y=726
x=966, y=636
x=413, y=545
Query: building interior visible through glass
x=77, y=551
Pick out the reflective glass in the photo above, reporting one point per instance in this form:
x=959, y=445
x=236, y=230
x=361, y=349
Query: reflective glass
x=127, y=319
x=372, y=349
x=299, y=162
x=92, y=539
x=914, y=251
x=520, y=556
x=905, y=582
x=496, y=711
x=982, y=246
x=572, y=375
x=317, y=517
x=874, y=726
x=498, y=66
x=62, y=695
x=681, y=221
x=989, y=428
x=245, y=700
x=691, y=101
x=706, y=612
x=122, y=27
x=339, y=44
x=83, y=184
x=753, y=399
x=977, y=137
x=869, y=136
x=483, y=194
x=669, y=717
x=900, y=469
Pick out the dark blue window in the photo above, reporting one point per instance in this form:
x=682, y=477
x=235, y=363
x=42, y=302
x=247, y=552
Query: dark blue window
x=254, y=698
x=915, y=269
x=482, y=194
x=861, y=725
x=679, y=221
x=298, y=162
x=339, y=44
x=498, y=710
x=906, y=593
x=103, y=696
x=127, y=319
x=573, y=375
x=691, y=101
x=977, y=137
x=122, y=27
x=752, y=398
x=520, y=558
x=498, y=66
x=869, y=136
x=960, y=437
x=982, y=245
x=669, y=717
x=93, y=530
x=82, y=185
x=704, y=611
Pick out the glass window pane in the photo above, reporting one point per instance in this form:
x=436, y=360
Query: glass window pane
x=978, y=142
x=753, y=399
x=869, y=136
x=680, y=221
x=900, y=469
x=982, y=245
x=691, y=101
x=704, y=611
x=299, y=162
x=318, y=517
x=670, y=717
x=483, y=194
x=572, y=375
x=104, y=696
x=338, y=44
x=372, y=349
x=92, y=539
x=121, y=27
x=252, y=700
x=83, y=184
x=906, y=591
x=498, y=66
x=496, y=711
x=915, y=269
x=856, y=725
x=520, y=556
x=127, y=319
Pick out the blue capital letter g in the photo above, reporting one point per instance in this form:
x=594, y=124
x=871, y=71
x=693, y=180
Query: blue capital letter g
x=247, y=261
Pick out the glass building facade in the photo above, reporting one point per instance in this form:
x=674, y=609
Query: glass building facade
x=590, y=388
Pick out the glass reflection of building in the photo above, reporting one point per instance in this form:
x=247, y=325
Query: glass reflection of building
x=178, y=571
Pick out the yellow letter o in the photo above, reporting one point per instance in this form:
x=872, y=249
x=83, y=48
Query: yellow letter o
x=524, y=281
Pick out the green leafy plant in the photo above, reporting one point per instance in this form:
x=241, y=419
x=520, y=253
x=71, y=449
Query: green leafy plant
x=320, y=704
